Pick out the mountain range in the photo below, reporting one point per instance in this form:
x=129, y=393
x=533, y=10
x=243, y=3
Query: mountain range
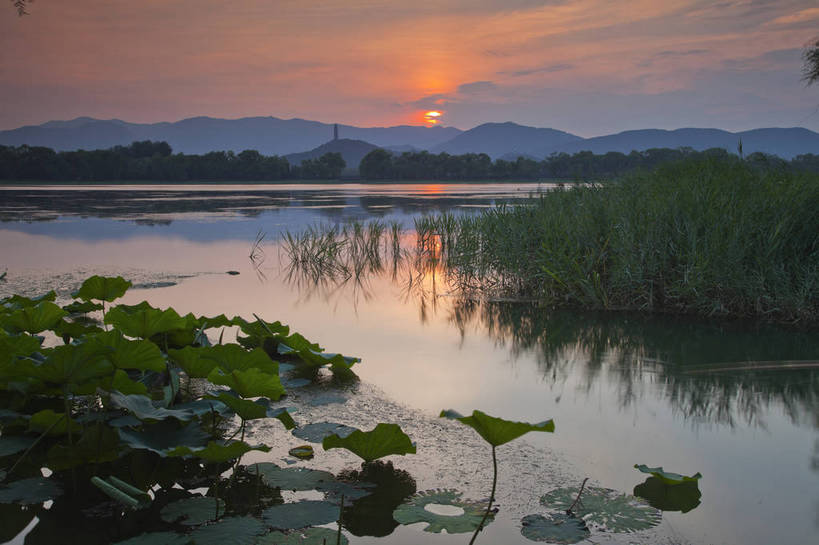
x=299, y=139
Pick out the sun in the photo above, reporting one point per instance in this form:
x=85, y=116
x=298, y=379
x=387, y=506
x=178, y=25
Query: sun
x=433, y=117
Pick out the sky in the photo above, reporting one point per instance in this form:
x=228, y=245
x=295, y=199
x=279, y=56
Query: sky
x=589, y=67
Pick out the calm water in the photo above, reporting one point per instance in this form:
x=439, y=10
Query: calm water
x=737, y=402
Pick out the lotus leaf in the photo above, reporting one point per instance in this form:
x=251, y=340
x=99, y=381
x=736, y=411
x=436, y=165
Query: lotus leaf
x=123, y=384
x=81, y=307
x=556, y=528
x=77, y=367
x=249, y=383
x=302, y=452
x=308, y=536
x=666, y=476
x=163, y=437
x=98, y=444
x=291, y=516
x=258, y=330
x=74, y=330
x=207, y=322
x=280, y=413
x=12, y=346
x=102, y=288
x=414, y=510
x=315, y=433
x=232, y=357
x=204, y=406
x=383, y=440
x=217, y=451
x=29, y=491
x=142, y=408
x=680, y=497
x=497, y=431
x=42, y=316
x=247, y=410
x=143, y=320
x=158, y=538
x=12, y=444
x=291, y=478
x=53, y=423
x=127, y=354
x=189, y=360
x=312, y=354
x=193, y=511
x=232, y=530
x=605, y=509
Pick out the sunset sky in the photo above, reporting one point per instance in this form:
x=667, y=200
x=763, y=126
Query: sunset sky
x=589, y=67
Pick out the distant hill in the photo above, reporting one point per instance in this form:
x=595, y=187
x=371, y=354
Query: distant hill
x=268, y=135
x=352, y=151
x=500, y=139
x=786, y=143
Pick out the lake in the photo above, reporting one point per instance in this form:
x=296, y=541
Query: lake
x=736, y=401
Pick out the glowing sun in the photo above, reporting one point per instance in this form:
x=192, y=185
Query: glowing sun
x=433, y=117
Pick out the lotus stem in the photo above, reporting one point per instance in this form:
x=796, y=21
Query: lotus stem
x=577, y=499
x=491, y=496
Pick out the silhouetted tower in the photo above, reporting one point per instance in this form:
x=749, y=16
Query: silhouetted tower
x=335, y=131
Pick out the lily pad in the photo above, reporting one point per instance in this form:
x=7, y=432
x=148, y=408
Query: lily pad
x=555, y=528
x=102, y=288
x=497, y=431
x=315, y=433
x=289, y=516
x=158, y=538
x=666, y=476
x=142, y=408
x=383, y=440
x=605, y=509
x=414, y=510
x=291, y=478
x=217, y=451
x=681, y=497
x=302, y=452
x=29, y=491
x=164, y=437
x=193, y=511
x=308, y=536
x=232, y=530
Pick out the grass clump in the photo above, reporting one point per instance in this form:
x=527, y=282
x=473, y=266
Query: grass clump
x=709, y=237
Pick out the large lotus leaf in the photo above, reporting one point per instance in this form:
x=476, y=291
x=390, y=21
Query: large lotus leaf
x=257, y=331
x=81, y=307
x=556, y=528
x=605, y=509
x=201, y=407
x=189, y=360
x=217, y=451
x=29, y=491
x=40, y=317
x=53, y=423
x=666, y=476
x=232, y=530
x=208, y=322
x=497, y=431
x=75, y=366
x=282, y=414
x=15, y=519
x=246, y=409
x=291, y=478
x=307, y=536
x=143, y=320
x=193, y=511
x=102, y=288
x=164, y=437
x=680, y=497
x=158, y=538
x=383, y=440
x=123, y=384
x=12, y=346
x=232, y=357
x=414, y=510
x=142, y=408
x=249, y=383
x=75, y=330
x=315, y=433
x=16, y=302
x=312, y=354
x=12, y=444
x=291, y=516
x=98, y=444
x=127, y=354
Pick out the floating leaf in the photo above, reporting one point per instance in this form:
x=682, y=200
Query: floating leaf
x=302, y=452
x=555, y=528
x=123, y=384
x=605, y=509
x=102, y=288
x=127, y=354
x=217, y=451
x=193, y=511
x=249, y=383
x=12, y=444
x=680, y=497
x=414, y=510
x=165, y=436
x=40, y=317
x=291, y=478
x=29, y=491
x=315, y=433
x=666, y=476
x=497, y=431
x=301, y=514
x=142, y=408
x=308, y=536
x=383, y=440
x=158, y=538
x=232, y=530
x=143, y=320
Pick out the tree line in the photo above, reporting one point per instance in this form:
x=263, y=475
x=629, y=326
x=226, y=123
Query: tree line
x=155, y=161
x=380, y=164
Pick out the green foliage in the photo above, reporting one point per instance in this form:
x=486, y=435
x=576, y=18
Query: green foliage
x=414, y=510
x=122, y=492
x=144, y=321
x=29, y=491
x=383, y=440
x=34, y=319
x=316, y=432
x=102, y=288
x=681, y=497
x=666, y=476
x=217, y=451
x=158, y=538
x=193, y=511
x=251, y=382
x=164, y=437
x=51, y=423
x=605, y=509
x=127, y=354
x=291, y=478
x=497, y=431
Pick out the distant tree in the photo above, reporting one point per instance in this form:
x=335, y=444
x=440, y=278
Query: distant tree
x=810, y=71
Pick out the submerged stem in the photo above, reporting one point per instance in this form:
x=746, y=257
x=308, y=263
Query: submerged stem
x=491, y=496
